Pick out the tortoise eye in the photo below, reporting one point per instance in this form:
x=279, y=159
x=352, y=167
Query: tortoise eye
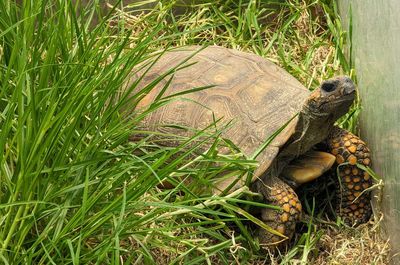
x=328, y=86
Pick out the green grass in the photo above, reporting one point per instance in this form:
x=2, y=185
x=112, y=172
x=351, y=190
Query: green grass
x=74, y=189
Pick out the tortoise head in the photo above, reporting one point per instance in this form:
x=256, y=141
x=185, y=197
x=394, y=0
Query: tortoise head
x=332, y=99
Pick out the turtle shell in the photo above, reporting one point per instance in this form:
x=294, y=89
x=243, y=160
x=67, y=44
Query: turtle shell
x=256, y=95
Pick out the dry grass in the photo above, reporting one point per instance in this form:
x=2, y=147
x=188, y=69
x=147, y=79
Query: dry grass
x=362, y=245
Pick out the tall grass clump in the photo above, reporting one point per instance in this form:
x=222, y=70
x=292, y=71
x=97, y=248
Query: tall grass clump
x=74, y=190
x=61, y=154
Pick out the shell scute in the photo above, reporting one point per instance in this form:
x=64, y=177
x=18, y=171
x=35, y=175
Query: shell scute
x=254, y=94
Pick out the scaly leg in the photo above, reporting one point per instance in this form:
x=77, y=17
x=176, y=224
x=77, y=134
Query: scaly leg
x=353, y=201
x=278, y=193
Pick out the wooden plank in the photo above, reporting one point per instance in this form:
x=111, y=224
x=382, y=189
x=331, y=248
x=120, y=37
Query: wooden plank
x=375, y=51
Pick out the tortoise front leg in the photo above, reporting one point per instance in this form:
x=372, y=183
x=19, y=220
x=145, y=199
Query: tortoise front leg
x=353, y=201
x=278, y=193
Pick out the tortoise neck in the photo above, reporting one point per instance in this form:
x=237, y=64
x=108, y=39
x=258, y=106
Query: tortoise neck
x=311, y=129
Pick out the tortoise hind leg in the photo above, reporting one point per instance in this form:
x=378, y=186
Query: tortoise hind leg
x=278, y=193
x=353, y=201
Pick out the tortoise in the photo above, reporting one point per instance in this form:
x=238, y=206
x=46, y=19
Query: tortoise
x=263, y=99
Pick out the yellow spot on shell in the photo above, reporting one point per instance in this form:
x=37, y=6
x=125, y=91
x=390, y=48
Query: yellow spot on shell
x=335, y=151
x=278, y=197
x=365, y=186
x=354, y=171
x=285, y=199
x=352, y=160
x=347, y=143
x=366, y=161
x=347, y=179
x=286, y=207
x=352, y=149
x=285, y=217
x=366, y=176
x=357, y=187
x=339, y=159
x=293, y=202
x=357, y=193
x=357, y=179
x=298, y=207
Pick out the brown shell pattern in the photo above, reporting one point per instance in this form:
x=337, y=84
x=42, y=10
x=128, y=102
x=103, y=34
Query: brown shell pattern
x=252, y=92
